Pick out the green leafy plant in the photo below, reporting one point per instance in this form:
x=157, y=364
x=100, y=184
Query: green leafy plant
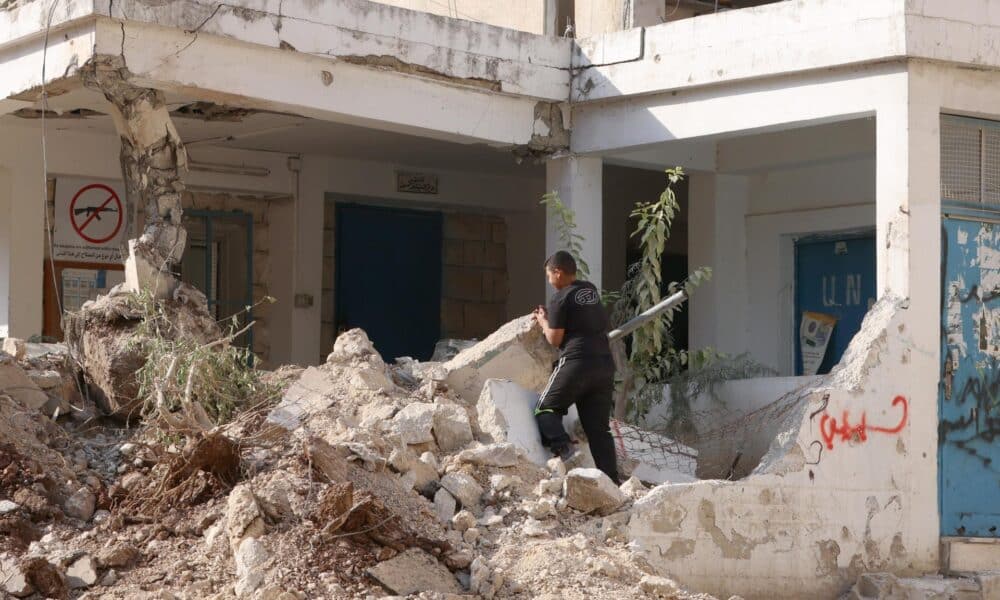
x=189, y=386
x=565, y=224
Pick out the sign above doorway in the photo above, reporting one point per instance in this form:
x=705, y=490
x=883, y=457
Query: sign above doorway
x=416, y=183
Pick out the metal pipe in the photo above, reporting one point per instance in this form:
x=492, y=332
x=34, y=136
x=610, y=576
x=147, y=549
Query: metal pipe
x=648, y=315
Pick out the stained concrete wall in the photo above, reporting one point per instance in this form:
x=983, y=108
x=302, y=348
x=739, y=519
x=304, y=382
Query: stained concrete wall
x=522, y=15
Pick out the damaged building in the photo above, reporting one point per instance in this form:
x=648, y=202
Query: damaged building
x=379, y=166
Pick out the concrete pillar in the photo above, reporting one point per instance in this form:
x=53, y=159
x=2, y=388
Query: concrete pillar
x=908, y=213
x=578, y=181
x=297, y=268
x=717, y=239
x=22, y=240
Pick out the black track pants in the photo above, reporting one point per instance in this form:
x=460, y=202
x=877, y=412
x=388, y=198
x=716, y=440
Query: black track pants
x=589, y=383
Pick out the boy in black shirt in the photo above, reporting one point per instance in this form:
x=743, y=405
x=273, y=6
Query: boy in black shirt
x=578, y=325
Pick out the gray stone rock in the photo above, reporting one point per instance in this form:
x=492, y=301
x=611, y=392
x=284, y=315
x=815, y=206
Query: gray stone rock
x=444, y=505
x=492, y=455
x=414, y=571
x=12, y=579
x=414, y=423
x=251, y=557
x=591, y=491
x=6, y=506
x=81, y=504
x=464, y=488
x=452, y=429
x=82, y=573
x=14, y=382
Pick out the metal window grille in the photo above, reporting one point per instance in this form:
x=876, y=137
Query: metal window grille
x=962, y=145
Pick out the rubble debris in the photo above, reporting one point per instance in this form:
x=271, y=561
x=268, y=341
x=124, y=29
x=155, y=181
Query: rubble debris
x=415, y=571
x=102, y=336
x=452, y=430
x=591, y=491
x=14, y=382
x=81, y=504
x=633, y=488
x=517, y=351
x=82, y=573
x=886, y=586
x=15, y=347
x=44, y=577
x=414, y=423
x=314, y=509
x=13, y=579
x=464, y=488
x=493, y=455
x=447, y=349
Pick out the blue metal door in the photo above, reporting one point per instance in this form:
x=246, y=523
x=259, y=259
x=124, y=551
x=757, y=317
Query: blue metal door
x=834, y=276
x=968, y=413
x=388, y=277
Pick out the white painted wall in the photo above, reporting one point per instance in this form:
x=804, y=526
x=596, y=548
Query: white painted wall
x=785, y=185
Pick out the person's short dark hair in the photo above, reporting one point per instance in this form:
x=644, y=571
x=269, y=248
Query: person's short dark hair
x=563, y=261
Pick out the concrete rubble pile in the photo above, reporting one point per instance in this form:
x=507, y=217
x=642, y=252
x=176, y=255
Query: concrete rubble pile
x=351, y=486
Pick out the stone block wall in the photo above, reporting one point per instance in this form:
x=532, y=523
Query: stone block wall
x=474, y=277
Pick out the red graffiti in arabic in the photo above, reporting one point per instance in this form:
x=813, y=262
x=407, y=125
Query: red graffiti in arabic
x=831, y=429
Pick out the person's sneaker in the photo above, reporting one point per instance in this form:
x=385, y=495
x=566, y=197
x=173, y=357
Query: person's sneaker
x=567, y=453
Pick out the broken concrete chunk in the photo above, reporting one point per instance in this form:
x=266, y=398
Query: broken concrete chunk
x=351, y=347
x=415, y=571
x=14, y=382
x=590, y=490
x=659, y=587
x=251, y=556
x=15, y=347
x=464, y=488
x=46, y=379
x=13, y=579
x=414, y=423
x=444, y=505
x=311, y=393
x=420, y=476
x=82, y=573
x=6, y=506
x=501, y=482
x=492, y=455
x=505, y=412
x=463, y=520
x=117, y=555
x=81, y=504
x=244, y=518
x=633, y=488
x=518, y=351
x=451, y=427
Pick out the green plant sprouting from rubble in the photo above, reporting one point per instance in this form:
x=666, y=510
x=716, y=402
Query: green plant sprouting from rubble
x=653, y=360
x=565, y=224
x=188, y=386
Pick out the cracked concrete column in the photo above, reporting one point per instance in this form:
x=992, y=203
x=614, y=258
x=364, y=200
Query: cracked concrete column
x=152, y=159
x=908, y=224
x=579, y=181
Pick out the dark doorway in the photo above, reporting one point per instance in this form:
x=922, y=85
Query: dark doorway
x=388, y=277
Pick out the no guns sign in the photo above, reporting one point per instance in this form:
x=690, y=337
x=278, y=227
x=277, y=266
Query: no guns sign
x=89, y=220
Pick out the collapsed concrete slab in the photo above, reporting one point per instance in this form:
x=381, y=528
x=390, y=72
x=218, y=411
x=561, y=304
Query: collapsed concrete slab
x=415, y=571
x=844, y=444
x=518, y=351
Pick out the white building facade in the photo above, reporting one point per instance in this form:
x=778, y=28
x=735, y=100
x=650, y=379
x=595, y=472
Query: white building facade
x=324, y=136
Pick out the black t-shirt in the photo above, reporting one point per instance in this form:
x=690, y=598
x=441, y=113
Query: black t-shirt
x=577, y=308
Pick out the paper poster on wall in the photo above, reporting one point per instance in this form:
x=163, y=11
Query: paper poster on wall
x=81, y=285
x=814, y=336
x=89, y=223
